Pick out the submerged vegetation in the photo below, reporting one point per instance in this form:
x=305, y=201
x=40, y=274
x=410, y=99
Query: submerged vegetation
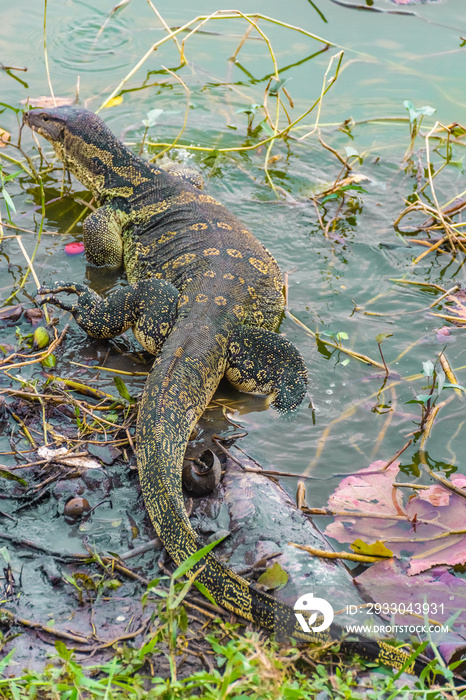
x=65, y=417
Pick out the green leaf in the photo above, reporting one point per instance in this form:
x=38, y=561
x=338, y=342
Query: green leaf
x=328, y=197
x=248, y=110
x=122, y=390
x=416, y=112
x=275, y=577
x=41, y=337
x=458, y=164
x=7, y=178
x=345, y=362
x=8, y=199
x=49, y=361
x=202, y=589
x=63, y=652
x=440, y=381
x=447, y=385
x=5, y=554
x=352, y=153
x=427, y=111
x=420, y=398
x=152, y=117
x=180, y=597
x=266, y=127
x=194, y=558
x=382, y=336
x=113, y=584
x=4, y=662
x=342, y=335
x=277, y=85
x=12, y=477
x=427, y=368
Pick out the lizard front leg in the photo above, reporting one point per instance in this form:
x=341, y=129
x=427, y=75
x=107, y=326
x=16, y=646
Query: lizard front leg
x=103, y=243
x=149, y=307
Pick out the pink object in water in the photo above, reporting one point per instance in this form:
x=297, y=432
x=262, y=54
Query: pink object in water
x=74, y=248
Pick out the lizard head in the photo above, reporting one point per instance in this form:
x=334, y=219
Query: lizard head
x=81, y=140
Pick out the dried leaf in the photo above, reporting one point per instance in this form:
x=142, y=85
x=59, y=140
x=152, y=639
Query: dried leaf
x=4, y=137
x=57, y=455
x=114, y=101
x=11, y=313
x=378, y=549
x=48, y=102
x=369, y=491
x=444, y=335
x=34, y=315
x=458, y=306
x=440, y=510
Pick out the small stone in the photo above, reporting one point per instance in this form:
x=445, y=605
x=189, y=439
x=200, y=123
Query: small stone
x=76, y=508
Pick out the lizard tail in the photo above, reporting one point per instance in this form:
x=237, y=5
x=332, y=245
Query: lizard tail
x=177, y=391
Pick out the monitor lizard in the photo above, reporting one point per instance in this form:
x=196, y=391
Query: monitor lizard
x=203, y=296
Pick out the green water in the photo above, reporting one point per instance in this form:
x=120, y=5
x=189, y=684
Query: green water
x=387, y=59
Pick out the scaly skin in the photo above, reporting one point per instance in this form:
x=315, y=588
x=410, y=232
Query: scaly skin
x=204, y=296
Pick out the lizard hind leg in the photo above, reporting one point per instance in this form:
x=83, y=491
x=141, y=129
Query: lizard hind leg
x=263, y=362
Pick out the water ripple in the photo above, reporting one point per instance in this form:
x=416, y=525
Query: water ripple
x=79, y=47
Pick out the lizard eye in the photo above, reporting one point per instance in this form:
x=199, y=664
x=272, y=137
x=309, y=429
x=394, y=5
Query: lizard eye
x=45, y=118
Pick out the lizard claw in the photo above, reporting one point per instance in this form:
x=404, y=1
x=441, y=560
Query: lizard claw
x=51, y=299
x=69, y=287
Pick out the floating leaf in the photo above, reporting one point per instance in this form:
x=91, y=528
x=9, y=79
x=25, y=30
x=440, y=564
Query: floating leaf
x=378, y=549
x=457, y=130
x=432, y=512
x=114, y=101
x=439, y=593
x=34, y=315
x=11, y=313
x=266, y=127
